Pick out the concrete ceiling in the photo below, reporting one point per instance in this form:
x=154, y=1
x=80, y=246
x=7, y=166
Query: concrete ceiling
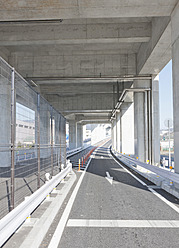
x=77, y=50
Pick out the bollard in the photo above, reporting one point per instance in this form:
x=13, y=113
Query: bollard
x=82, y=161
x=79, y=165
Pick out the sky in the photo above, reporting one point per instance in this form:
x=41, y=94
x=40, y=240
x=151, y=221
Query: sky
x=165, y=94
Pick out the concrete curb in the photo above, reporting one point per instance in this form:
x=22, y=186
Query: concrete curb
x=42, y=225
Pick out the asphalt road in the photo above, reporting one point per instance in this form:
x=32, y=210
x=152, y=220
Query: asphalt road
x=114, y=215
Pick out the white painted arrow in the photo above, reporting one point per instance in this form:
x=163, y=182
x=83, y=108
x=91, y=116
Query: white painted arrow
x=109, y=178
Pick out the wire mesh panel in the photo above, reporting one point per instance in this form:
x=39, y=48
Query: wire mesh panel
x=32, y=142
x=5, y=137
x=63, y=140
x=25, y=145
x=45, y=139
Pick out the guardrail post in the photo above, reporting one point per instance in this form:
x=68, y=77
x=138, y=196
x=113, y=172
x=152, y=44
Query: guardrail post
x=38, y=139
x=65, y=153
x=12, y=136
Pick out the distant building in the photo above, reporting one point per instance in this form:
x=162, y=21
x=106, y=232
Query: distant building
x=25, y=133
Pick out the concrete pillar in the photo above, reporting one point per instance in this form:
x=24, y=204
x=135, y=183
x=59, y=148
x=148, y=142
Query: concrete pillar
x=175, y=69
x=118, y=131
x=112, y=134
x=155, y=115
x=5, y=122
x=127, y=129
x=72, y=134
x=79, y=135
x=140, y=121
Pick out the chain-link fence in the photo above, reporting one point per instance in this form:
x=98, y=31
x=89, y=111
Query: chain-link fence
x=32, y=139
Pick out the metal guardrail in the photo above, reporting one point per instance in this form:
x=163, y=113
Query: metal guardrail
x=74, y=151
x=77, y=150
x=166, y=180
x=13, y=220
x=10, y=223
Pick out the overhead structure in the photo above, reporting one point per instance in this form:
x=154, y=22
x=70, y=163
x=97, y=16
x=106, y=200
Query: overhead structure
x=98, y=61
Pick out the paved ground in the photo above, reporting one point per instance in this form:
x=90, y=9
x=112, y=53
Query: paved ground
x=125, y=199
x=101, y=212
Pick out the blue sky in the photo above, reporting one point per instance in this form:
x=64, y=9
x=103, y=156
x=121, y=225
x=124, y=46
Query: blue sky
x=166, y=94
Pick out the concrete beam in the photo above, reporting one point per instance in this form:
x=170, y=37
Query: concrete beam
x=71, y=34
x=78, y=103
x=76, y=65
x=80, y=89
x=155, y=54
x=92, y=118
x=97, y=102
x=76, y=49
x=95, y=122
x=47, y=10
x=4, y=53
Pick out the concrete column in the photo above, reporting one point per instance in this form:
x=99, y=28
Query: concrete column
x=113, y=129
x=155, y=115
x=113, y=133
x=175, y=69
x=118, y=131
x=72, y=134
x=140, y=122
x=79, y=135
x=127, y=129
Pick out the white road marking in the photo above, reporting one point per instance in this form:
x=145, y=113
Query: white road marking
x=140, y=181
x=61, y=225
x=109, y=178
x=124, y=223
x=149, y=188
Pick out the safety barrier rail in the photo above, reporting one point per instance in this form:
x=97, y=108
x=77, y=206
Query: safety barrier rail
x=10, y=223
x=166, y=180
x=74, y=151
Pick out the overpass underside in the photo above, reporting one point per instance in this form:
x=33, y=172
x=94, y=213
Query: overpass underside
x=97, y=62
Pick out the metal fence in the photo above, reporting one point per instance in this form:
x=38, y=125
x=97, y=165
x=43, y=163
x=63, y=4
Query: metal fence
x=32, y=139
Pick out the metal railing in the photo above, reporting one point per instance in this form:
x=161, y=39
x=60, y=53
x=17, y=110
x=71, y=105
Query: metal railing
x=10, y=223
x=32, y=139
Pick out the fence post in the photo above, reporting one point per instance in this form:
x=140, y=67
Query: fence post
x=12, y=136
x=38, y=139
x=51, y=130
x=65, y=153
x=60, y=133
